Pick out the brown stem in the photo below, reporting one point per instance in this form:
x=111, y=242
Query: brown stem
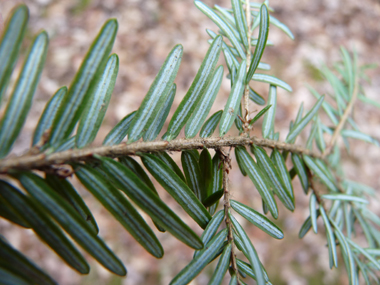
x=314, y=189
x=226, y=168
x=38, y=161
x=246, y=91
x=343, y=119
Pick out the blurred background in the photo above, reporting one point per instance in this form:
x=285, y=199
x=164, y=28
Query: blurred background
x=147, y=32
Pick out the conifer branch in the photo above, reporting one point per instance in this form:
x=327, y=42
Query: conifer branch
x=43, y=160
x=85, y=104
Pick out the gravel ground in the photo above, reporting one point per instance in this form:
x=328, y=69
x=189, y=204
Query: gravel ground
x=147, y=32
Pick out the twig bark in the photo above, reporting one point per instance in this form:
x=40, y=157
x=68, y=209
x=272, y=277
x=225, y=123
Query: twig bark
x=226, y=168
x=343, y=119
x=246, y=91
x=42, y=160
x=314, y=189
